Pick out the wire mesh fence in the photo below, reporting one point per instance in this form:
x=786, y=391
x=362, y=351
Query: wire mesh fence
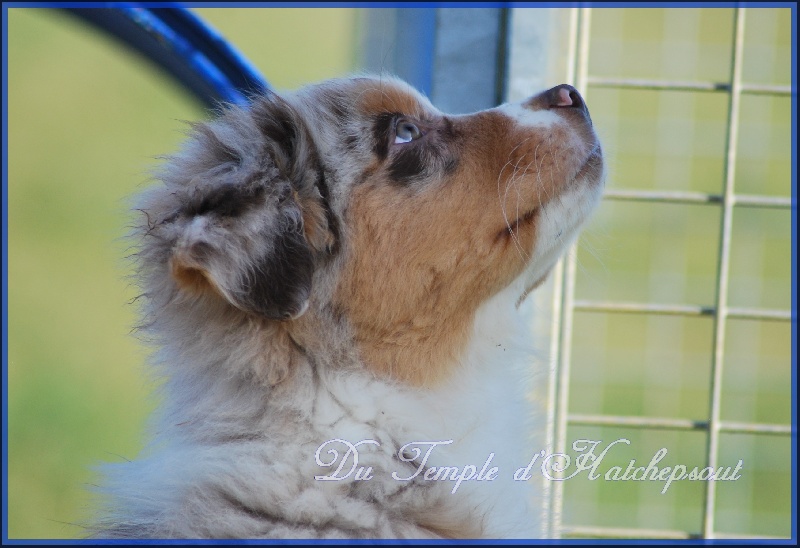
x=707, y=171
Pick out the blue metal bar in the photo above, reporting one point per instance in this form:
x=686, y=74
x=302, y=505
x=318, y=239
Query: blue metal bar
x=180, y=43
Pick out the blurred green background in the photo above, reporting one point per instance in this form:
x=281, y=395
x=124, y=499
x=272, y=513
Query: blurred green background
x=87, y=119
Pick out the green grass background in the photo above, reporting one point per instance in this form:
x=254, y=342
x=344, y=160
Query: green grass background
x=86, y=120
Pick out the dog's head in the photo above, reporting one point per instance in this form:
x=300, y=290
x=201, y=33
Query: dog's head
x=358, y=202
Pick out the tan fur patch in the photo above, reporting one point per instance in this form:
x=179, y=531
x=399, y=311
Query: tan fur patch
x=315, y=224
x=378, y=99
x=189, y=278
x=422, y=262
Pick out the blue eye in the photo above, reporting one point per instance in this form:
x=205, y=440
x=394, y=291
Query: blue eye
x=405, y=132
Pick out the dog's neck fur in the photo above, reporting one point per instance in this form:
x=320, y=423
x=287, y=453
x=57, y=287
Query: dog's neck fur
x=328, y=394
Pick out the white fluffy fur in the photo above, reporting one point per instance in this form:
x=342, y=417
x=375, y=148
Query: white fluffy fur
x=483, y=409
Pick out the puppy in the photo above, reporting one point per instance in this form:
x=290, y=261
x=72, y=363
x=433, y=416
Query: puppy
x=331, y=283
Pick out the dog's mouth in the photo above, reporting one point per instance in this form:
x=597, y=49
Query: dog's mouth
x=588, y=173
x=513, y=227
x=525, y=219
x=592, y=168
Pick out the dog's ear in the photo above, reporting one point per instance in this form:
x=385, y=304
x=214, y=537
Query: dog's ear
x=248, y=220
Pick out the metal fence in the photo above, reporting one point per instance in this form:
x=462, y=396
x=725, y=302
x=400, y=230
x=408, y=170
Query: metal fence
x=565, y=304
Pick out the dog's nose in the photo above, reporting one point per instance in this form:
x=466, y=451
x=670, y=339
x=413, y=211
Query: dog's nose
x=563, y=96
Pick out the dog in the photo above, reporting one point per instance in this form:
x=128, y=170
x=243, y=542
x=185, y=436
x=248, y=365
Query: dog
x=331, y=282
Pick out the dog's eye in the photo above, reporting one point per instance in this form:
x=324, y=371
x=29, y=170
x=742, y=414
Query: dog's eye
x=405, y=132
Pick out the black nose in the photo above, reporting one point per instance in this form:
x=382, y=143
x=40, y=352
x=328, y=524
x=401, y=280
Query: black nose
x=563, y=96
